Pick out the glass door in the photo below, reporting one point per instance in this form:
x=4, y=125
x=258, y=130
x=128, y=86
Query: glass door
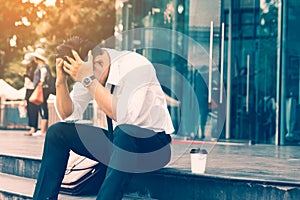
x=198, y=20
x=204, y=27
x=253, y=64
x=291, y=76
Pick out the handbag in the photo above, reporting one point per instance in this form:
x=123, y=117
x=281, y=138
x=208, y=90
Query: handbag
x=83, y=176
x=37, y=96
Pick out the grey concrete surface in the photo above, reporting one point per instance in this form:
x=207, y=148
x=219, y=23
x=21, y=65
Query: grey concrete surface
x=228, y=160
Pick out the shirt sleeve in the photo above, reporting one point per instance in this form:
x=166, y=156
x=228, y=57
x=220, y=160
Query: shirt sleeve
x=80, y=98
x=43, y=74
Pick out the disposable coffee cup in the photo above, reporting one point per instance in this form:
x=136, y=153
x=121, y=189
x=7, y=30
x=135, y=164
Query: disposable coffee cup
x=198, y=160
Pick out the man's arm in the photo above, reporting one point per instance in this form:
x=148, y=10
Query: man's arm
x=64, y=103
x=78, y=69
x=105, y=100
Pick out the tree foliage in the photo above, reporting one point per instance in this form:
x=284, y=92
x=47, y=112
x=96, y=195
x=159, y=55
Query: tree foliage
x=91, y=19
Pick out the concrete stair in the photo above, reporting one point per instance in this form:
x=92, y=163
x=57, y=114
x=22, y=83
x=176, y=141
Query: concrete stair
x=233, y=172
x=18, y=177
x=17, y=188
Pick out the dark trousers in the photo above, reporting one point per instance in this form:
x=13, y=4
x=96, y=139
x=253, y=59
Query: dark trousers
x=34, y=110
x=130, y=150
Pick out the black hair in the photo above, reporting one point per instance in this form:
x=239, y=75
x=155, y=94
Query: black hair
x=80, y=45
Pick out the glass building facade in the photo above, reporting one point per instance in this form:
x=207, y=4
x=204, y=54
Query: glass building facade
x=251, y=66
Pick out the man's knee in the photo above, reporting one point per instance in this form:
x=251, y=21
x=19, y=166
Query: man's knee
x=55, y=131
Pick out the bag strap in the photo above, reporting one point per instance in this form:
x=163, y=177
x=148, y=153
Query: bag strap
x=72, y=169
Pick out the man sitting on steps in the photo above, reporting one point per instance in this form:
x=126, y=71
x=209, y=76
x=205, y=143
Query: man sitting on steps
x=125, y=87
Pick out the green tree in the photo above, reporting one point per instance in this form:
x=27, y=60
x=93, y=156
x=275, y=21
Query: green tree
x=11, y=14
x=91, y=19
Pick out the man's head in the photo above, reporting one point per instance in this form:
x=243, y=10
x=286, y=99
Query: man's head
x=82, y=47
x=101, y=63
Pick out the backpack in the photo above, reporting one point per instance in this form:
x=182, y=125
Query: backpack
x=50, y=81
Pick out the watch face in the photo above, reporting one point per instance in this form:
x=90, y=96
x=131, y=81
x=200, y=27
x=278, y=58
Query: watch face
x=86, y=81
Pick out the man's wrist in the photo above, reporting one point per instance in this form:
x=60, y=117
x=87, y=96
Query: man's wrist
x=87, y=81
x=93, y=87
x=60, y=82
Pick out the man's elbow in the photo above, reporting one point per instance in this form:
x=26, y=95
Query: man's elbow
x=64, y=115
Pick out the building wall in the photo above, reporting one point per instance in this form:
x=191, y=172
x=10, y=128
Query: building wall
x=236, y=55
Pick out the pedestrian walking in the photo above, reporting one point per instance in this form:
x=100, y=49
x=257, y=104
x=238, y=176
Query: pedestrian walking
x=40, y=76
x=32, y=109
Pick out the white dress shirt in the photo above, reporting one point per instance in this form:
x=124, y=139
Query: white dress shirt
x=140, y=98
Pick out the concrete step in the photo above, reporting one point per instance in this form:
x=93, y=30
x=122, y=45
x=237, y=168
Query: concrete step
x=24, y=166
x=16, y=187
x=20, y=188
x=18, y=175
x=178, y=185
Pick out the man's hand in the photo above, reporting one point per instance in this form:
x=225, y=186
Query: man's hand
x=61, y=76
x=78, y=69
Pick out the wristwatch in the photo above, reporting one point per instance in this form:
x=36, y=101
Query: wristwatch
x=87, y=81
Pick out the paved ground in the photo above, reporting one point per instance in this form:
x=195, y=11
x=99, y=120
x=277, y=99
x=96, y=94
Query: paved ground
x=229, y=160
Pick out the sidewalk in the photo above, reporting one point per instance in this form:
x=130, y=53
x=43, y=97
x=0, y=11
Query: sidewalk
x=278, y=164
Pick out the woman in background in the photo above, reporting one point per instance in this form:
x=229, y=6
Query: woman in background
x=32, y=109
x=41, y=73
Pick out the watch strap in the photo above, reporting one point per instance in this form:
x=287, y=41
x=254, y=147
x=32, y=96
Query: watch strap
x=87, y=81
